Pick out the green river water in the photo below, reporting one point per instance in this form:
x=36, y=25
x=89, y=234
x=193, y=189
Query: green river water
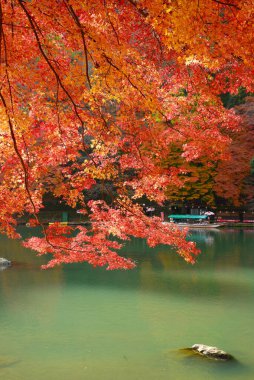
x=77, y=323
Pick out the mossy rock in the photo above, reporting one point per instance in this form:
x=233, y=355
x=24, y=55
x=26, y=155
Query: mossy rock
x=208, y=352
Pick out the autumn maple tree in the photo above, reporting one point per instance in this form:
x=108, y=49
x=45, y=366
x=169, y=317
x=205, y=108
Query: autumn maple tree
x=231, y=181
x=97, y=92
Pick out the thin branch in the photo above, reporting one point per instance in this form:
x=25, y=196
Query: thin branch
x=141, y=11
x=1, y=31
x=227, y=4
x=58, y=79
x=15, y=145
x=109, y=60
x=112, y=25
x=76, y=19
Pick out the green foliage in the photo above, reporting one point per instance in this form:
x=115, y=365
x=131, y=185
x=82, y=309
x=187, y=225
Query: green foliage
x=197, y=178
x=230, y=100
x=252, y=166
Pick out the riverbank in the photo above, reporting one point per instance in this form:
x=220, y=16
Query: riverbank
x=86, y=222
x=238, y=224
x=71, y=217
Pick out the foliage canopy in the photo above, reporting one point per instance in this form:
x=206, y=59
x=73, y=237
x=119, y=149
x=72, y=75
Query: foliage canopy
x=98, y=92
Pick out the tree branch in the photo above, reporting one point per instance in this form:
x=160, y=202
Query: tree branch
x=76, y=19
x=227, y=4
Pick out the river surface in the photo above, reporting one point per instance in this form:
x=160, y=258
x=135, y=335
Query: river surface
x=76, y=322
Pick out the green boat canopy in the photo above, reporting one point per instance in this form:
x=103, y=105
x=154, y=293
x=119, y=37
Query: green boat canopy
x=187, y=216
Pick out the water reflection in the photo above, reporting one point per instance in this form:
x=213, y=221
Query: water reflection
x=78, y=322
x=8, y=364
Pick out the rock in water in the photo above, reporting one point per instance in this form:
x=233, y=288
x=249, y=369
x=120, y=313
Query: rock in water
x=4, y=262
x=211, y=352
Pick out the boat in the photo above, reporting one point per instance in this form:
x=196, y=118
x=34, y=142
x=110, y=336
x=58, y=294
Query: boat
x=193, y=221
x=200, y=225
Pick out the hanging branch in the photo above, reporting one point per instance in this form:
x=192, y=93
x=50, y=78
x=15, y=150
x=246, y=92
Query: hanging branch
x=76, y=19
